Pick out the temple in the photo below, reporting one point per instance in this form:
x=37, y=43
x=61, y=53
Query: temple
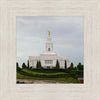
x=49, y=58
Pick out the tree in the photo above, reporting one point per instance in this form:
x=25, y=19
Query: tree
x=65, y=64
x=57, y=65
x=17, y=66
x=71, y=66
x=75, y=68
x=80, y=66
x=37, y=65
x=30, y=68
x=28, y=63
x=23, y=65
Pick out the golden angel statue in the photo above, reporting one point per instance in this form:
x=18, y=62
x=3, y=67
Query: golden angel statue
x=49, y=33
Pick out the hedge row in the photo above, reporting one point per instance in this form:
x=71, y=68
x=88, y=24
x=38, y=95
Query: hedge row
x=44, y=75
x=49, y=70
x=73, y=74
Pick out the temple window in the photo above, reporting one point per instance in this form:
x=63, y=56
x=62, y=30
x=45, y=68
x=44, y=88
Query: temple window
x=48, y=49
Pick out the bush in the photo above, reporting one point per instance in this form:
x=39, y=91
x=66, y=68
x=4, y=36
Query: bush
x=57, y=65
x=72, y=80
x=24, y=66
x=17, y=67
x=80, y=66
x=43, y=75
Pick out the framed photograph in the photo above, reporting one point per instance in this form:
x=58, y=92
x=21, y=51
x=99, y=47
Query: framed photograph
x=49, y=50
x=49, y=66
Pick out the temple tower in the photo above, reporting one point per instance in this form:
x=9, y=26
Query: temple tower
x=49, y=43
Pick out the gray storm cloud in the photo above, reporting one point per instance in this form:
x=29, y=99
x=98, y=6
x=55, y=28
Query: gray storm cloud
x=66, y=32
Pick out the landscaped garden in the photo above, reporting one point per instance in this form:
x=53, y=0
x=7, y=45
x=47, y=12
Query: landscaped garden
x=59, y=75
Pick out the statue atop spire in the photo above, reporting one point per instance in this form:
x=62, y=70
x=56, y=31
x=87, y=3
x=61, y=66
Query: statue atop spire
x=49, y=33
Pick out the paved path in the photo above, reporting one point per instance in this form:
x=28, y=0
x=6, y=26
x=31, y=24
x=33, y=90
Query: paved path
x=31, y=81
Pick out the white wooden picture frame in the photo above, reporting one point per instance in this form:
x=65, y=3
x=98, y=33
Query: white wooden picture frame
x=89, y=9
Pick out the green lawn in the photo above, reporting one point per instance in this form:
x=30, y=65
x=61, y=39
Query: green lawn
x=48, y=75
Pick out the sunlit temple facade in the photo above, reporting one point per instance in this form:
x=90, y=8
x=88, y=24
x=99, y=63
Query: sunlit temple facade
x=49, y=58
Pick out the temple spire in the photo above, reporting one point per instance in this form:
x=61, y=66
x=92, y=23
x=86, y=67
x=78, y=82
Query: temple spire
x=49, y=33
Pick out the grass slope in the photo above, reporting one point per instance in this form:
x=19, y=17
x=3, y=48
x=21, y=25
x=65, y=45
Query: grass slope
x=46, y=75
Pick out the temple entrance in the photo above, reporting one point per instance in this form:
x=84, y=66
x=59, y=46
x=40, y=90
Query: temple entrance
x=48, y=67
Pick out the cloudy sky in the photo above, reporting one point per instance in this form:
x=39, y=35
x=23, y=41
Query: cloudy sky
x=66, y=33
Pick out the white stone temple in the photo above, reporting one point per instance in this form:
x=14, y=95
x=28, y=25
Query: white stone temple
x=49, y=58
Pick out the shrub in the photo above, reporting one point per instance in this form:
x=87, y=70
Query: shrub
x=72, y=80
x=17, y=67
x=24, y=66
x=80, y=66
x=65, y=64
x=57, y=65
